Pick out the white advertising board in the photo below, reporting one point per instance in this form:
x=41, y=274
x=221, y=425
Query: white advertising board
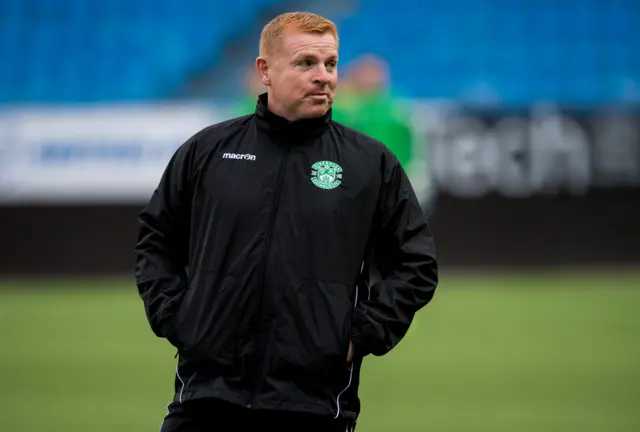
x=100, y=154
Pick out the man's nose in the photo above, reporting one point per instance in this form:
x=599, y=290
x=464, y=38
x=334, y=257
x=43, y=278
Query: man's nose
x=321, y=76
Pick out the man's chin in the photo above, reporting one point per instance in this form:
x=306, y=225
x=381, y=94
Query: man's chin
x=314, y=111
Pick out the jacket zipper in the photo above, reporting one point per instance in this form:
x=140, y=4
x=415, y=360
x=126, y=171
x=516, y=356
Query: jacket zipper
x=262, y=346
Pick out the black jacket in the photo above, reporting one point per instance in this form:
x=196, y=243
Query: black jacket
x=255, y=259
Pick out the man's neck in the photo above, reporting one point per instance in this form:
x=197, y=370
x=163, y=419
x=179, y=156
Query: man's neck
x=278, y=109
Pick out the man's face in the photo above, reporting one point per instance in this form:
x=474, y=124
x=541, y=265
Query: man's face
x=301, y=74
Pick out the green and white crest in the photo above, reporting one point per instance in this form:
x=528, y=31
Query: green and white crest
x=326, y=174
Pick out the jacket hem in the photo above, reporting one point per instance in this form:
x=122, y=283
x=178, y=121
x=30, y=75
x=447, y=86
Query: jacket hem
x=241, y=400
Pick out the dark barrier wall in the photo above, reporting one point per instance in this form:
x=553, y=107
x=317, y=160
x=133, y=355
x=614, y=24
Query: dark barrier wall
x=534, y=187
x=490, y=231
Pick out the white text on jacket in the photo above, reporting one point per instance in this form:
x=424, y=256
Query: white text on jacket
x=239, y=156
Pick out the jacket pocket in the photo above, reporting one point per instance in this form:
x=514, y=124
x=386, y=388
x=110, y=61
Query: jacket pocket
x=207, y=321
x=312, y=329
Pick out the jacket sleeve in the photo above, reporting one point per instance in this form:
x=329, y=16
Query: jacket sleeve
x=161, y=250
x=403, y=252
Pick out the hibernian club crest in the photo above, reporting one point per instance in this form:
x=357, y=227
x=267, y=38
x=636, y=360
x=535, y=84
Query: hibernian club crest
x=326, y=174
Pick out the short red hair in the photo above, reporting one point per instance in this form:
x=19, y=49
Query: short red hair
x=302, y=21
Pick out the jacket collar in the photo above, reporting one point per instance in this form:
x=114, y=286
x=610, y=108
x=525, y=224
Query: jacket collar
x=271, y=122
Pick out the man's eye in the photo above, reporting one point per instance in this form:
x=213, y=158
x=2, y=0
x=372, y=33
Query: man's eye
x=306, y=63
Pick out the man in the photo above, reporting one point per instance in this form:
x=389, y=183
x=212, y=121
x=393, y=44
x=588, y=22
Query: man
x=253, y=87
x=280, y=249
x=370, y=106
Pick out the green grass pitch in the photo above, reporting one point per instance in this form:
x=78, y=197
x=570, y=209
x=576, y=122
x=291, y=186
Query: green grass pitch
x=504, y=352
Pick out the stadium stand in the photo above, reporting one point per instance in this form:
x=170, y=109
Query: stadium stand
x=78, y=50
x=574, y=51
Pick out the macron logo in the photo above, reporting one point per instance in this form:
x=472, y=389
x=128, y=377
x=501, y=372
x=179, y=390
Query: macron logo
x=239, y=156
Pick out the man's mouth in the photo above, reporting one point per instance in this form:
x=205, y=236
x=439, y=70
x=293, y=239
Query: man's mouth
x=319, y=95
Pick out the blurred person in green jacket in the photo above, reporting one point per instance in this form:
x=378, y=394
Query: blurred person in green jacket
x=368, y=104
x=252, y=88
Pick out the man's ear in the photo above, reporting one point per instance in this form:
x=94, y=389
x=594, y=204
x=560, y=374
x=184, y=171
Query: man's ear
x=263, y=70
